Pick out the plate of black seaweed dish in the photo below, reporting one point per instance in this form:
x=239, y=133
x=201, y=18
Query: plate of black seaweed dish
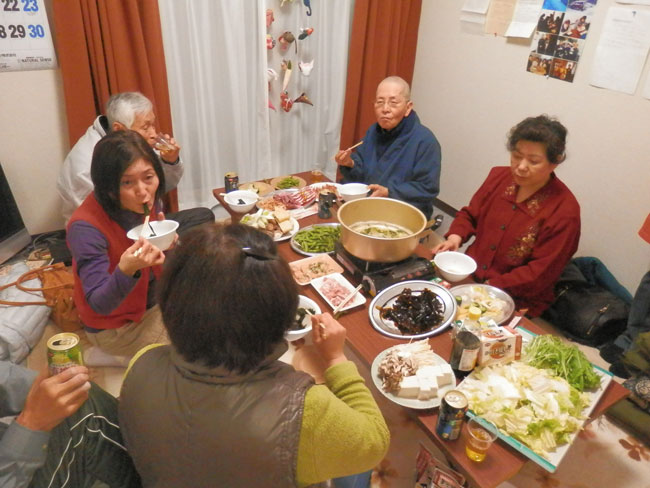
x=412, y=310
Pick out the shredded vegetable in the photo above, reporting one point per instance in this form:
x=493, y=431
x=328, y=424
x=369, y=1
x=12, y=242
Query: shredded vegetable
x=565, y=360
x=532, y=405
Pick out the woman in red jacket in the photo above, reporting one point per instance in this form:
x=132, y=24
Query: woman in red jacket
x=526, y=221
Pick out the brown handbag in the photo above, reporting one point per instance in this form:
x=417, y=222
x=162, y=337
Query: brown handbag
x=57, y=286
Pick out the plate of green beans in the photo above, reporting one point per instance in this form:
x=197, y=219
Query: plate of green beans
x=316, y=239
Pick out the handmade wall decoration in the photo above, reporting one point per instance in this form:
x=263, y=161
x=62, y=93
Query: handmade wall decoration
x=306, y=67
x=304, y=32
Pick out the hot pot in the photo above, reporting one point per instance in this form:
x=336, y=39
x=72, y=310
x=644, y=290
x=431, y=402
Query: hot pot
x=380, y=249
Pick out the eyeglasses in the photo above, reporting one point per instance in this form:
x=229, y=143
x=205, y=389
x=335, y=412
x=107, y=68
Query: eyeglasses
x=391, y=103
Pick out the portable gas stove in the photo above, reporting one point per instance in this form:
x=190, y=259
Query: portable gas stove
x=377, y=276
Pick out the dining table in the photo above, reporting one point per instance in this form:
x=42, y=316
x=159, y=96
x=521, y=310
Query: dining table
x=503, y=461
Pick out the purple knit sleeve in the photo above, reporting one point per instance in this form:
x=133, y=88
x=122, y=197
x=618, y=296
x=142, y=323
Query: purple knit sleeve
x=103, y=290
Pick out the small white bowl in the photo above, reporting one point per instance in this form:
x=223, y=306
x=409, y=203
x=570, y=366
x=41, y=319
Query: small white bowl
x=304, y=302
x=352, y=191
x=165, y=233
x=454, y=266
x=248, y=197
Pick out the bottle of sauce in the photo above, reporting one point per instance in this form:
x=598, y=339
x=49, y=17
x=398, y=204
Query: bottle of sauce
x=466, y=346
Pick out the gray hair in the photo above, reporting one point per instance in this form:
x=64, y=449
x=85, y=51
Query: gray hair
x=406, y=89
x=123, y=107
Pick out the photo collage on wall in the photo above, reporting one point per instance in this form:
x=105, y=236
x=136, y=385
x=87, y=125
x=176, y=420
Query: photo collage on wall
x=558, y=42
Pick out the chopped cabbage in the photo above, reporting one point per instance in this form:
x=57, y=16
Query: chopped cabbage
x=532, y=405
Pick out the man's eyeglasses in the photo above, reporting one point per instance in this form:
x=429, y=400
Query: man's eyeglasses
x=392, y=103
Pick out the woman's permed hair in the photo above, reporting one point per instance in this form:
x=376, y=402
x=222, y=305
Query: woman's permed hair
x=226, y=296
x=112, y=155
x=543, y=129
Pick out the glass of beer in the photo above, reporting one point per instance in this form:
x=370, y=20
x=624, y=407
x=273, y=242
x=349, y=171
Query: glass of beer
x=317, y=175
x=480, y=437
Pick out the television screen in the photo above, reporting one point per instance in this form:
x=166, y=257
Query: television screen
x=13, y=233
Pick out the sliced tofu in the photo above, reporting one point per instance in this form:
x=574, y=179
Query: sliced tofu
x=446, y=375
x=409, y=387
x=428, y=388
x=281, y=215
x=285, y=226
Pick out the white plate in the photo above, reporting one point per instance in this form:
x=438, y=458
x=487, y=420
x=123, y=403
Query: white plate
x=407, y=402
x=304, y=278
x=388, y=296
x=296, y=247
x=322, y=184
x=357, y=300
x=554, y=458
x=291, y=233
x=492, y=291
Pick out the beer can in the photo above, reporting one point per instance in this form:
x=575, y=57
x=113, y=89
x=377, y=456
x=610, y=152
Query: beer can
x=453, y=408
x=231, y=181
x=63, y=352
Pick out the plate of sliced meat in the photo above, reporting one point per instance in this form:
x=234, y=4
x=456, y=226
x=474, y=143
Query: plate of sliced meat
x=334, y=288
x=289, y=199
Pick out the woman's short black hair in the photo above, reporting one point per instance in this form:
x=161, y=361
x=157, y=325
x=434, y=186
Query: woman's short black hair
x=226, y=296
x=542, y=129
x=113, y=154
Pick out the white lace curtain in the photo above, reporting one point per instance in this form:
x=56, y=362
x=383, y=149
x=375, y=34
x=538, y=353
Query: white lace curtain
x=217, y=64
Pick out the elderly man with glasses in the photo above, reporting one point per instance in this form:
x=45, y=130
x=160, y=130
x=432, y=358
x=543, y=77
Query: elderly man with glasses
x=399, y=157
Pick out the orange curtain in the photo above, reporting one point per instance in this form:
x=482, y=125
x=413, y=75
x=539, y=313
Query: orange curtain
x=106, y=47
x=383, y=41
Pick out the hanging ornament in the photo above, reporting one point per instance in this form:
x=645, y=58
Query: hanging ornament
x=270, y=42
x=271, y=75
x=308, y=5
x=303, y=99
x=269, y=17
x=306, y=67
x=286, y=67
x=285, y=102
x=285, y=39
x=304, y=32
x=285, y=1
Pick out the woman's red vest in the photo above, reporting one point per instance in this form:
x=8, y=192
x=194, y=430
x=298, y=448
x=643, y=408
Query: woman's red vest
x=135, y=303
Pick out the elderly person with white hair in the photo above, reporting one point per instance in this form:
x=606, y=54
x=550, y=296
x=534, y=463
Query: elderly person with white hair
x=400, y=157
x=124, y=111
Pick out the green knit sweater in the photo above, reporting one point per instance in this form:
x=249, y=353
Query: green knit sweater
x=343, y=431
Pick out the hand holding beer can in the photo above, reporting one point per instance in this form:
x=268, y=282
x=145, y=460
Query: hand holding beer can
x=63, y=352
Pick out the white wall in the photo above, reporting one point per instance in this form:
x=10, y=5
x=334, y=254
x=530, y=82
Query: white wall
x=470, y=90
x=34, y=139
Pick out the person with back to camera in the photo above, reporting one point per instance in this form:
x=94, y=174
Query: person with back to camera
x=65, y=432
x=525, y=220
x=399, y=157
x=233, y=414
x=114, y=277
x=124, y=111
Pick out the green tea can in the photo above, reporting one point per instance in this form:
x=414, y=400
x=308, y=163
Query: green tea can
x=63, y=352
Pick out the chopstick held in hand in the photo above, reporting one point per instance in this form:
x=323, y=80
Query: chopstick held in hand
x=355, y=146
x=346, y=300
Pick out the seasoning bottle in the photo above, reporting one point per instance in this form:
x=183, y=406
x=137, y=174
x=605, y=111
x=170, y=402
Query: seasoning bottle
x=472, y=321
x=464, y=352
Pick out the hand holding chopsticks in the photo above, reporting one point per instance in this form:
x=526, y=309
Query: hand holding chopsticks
x=343, y=157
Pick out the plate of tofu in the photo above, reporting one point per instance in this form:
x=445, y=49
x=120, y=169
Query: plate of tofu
x=412, y=375
x=278, y=223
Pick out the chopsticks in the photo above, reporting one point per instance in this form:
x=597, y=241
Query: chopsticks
x=346, y=300
x=355, y=146
x=146, y=223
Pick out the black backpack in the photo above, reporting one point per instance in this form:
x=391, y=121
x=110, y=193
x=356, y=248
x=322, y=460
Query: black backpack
x=584, y=308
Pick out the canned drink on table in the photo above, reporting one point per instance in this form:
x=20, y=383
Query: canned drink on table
x=453, y=408
x=231, y=181
x=63, y=352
